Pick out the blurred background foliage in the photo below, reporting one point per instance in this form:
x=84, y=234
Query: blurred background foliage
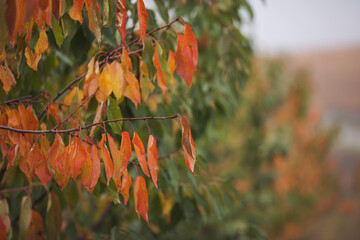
x=261, y=151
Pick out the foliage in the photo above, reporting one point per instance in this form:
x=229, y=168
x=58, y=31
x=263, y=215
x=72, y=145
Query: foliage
x=89, y=75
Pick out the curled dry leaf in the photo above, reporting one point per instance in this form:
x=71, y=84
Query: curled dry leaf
x=141, y=198
x=188, y=145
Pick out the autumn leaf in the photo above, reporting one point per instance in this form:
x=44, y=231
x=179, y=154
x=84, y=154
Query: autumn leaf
x=32, y=59
x=85, y=176
x=7, y=78
x=105, y=85
x=33, y=160
x=109, y=167
x=91, y=82
x=146, y=85
x=42, y=43
x=117, y=76
x=140, y=153
x=78, y=159
x=95, y=172
x=188, y=145
x=56, y=148
x=171, y=64
x=125, y=150
x=161, y=68
x=116, y=156
x=125, y=186
x=186, y=55
x=132, y=89
x=75, y=11
x=36, y=227
x=62, y=166
x=141, y=198
x=121, y=18
x=93, y=10
x=143, y=17
x=3, y=229
x=152, y=156
x=42, y=170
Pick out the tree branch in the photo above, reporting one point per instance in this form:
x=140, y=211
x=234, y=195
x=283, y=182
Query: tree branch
x=84, y=127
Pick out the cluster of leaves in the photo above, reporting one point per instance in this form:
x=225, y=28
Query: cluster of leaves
x=25, y=141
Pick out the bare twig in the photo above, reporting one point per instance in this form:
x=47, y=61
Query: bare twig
x=84, y=127
x=19, y=189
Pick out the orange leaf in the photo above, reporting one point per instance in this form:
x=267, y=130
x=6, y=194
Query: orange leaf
x=143, y=17
x=56, y=149
x=152, y=155
x=125, y=186
x=42, y=171
x=172, y=66
x=85, y=176
x=192, y=43
x=140, y=151
x=79, y=158
x=12, y=154
x=53, y=110
x=62, y=166
x=33, y=160
x=94, y=16
x=36, y=227
x=146, y=85
x=109, y=167
x=7, y=78
x=115, y=153
x=3, y=55
x=121, y=18
x=42, y=43
x=186, y=55
x=32, y=59
x=75, y=11
x=132, y=90
x=125, y=150
x=91, y=82
x=188, y=145
x=95, y=172
x=160, y=75
x=141, y=198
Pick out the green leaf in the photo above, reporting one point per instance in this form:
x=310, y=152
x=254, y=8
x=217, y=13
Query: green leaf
x=114, y=113
x=57, y=31
x=106, y=13
x=147, y=56
x=25, y=216
x=67, y=25
x=53, y=216
x=163, y=63
x=112, y=191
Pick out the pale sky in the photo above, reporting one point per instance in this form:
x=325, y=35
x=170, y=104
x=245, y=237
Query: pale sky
x=303, y=25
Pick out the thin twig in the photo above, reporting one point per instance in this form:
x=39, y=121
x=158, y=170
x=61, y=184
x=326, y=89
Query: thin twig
x=75, y=110
x=84, y=127
x=19, y=189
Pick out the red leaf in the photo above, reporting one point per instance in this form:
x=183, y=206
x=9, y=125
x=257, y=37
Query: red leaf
x=36, y=227
x=141, y=198
x=140, y=151
x=125, y=150
x=125, y=186
x=192, y=43
x=143, y=17
x=62, y=166
x=3, y=230
x=152, y=156
x=56, y=149
x=109, y=167
x=33, y=160
x=188, y=145
x=121, y=18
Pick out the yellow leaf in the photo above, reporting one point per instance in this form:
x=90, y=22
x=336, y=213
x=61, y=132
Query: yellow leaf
x=32, y=60
x=42, y=43
x=105, y=85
